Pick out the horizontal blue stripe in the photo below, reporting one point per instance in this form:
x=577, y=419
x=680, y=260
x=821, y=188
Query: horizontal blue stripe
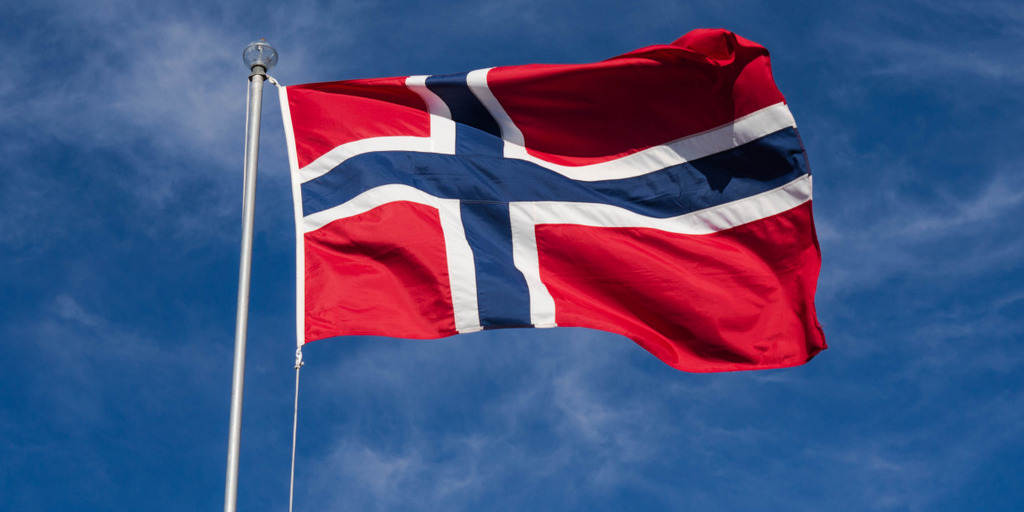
x=750, y=169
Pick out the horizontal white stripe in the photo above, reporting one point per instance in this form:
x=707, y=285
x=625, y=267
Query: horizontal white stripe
x=332, y=158
x=367, y=201
x=741, y=131
x=692, y=147
x=701, y=222
x=526, y=216
x=461, y=265
x=442, y=139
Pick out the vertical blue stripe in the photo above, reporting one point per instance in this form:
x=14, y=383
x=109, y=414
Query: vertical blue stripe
x=502, y=295
x=476, y=131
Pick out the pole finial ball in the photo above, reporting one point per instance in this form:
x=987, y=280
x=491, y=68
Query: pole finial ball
x=259, y=53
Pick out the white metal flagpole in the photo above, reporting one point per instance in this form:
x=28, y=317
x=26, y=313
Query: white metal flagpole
x=259, y=57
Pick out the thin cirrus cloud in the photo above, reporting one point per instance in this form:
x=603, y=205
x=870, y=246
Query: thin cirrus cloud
x=552, y=419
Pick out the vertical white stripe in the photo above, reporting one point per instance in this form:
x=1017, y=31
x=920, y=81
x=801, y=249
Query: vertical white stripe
x=510, y=133
x=461, y=267
x=527, y=260
x=300, y=248
x=442, y=128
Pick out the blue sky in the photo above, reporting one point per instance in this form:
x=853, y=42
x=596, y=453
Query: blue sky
x=121, y=136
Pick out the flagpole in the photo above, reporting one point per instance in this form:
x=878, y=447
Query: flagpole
x=259, y=56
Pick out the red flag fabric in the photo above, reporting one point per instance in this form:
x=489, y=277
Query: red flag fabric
x=663, y=194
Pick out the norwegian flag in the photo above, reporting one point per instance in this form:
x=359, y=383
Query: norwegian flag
x=663, y=195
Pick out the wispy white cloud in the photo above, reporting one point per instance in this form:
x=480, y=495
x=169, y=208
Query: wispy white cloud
x=912, y=466
x=153, y=106
x=883, y=235
x=82, y=347
x=927, y=41
x=554, y=418
x=93, y=396
x=574, y=420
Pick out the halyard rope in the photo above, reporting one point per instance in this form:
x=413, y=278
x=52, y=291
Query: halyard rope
x=295, y=425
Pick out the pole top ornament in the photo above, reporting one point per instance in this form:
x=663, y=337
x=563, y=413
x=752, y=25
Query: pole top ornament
x=259, y=53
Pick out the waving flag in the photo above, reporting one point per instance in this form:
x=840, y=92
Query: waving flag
x=663, y=195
